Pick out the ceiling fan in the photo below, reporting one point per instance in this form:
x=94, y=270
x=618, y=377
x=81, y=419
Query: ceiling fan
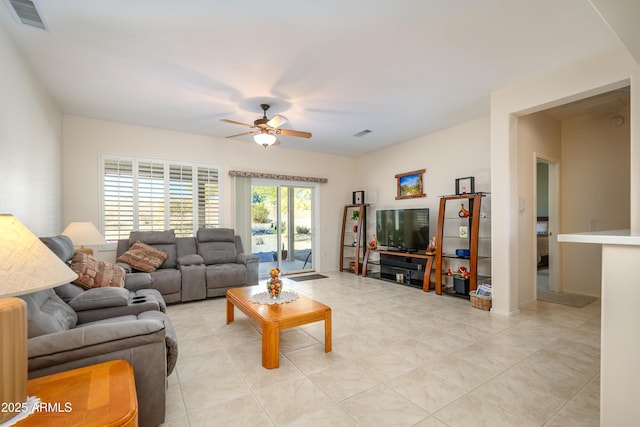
x=265, y=130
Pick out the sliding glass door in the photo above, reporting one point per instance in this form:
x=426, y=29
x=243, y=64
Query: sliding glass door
x=282, y=226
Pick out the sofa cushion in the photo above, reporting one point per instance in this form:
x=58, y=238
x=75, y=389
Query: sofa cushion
x=161, y=240
x=47, y=313
x=216, y=235
x=226, y=275
x=153, y=237
x=143, y=257
x=93, y=273
x=217, y=245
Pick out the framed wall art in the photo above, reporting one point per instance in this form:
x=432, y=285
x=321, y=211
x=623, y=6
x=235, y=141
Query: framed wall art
x=465, y=185
x=358, y=197
x=410, y=185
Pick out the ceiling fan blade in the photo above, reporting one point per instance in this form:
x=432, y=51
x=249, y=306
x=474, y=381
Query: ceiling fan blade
x=235, y=123
x=297, y=133
x=243, y=133
x=277, y=121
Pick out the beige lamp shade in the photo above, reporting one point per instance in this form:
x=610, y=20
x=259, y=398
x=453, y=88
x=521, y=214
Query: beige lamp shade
x=84, y=234
x=26, y=265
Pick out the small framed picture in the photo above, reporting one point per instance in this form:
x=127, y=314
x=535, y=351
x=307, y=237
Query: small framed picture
x=409, y=185
x=465, y=185
x=463, y=232
x=358, y=197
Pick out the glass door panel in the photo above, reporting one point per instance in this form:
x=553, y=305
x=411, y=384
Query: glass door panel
x=281, y=227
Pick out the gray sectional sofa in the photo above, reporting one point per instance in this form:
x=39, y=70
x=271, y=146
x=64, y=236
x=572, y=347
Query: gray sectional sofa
x=197, y=267
x=69, y=327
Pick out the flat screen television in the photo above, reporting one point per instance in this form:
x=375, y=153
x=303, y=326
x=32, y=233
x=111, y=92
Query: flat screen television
x=403, y=229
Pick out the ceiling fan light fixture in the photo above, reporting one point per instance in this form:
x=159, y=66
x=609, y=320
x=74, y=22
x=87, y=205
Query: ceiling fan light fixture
x=265, y=139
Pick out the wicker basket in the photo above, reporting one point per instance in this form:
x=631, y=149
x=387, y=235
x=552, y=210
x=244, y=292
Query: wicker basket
x=480, y=301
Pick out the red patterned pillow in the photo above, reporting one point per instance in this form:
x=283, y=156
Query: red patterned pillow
x=143, y=257
x=93, y=273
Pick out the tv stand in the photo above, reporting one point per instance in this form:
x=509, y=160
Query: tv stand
x=402, y=263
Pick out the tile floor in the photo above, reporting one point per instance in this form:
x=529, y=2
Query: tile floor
x=401, y=357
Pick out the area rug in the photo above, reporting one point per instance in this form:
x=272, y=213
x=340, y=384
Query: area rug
x=572, y=300
x=307, y=277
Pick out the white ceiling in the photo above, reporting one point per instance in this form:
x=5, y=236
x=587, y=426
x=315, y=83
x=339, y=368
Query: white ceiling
x=401, y=69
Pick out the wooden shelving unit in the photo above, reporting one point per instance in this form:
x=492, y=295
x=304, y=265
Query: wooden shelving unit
x=447, y=238
x=353, y=238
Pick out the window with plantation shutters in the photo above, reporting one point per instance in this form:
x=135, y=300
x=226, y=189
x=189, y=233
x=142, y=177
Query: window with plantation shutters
x=144, y=194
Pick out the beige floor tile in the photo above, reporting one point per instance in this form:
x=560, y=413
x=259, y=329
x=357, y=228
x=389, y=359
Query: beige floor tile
x=343, y=380
x=205, y=391
x=287, y=401
x=479, y=411
x=427, y=390
x=182, y=421
x=243, y=411
x=313, y=358
x=520, y=398
x=381, y=406
x=333, y=416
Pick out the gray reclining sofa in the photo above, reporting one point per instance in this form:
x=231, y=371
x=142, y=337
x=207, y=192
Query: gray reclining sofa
x=99, y=325
x=197, y=267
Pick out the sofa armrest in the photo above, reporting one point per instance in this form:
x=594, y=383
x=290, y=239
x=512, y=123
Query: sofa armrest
x=92, y=341
x=190, y=259
x=96, y=298
x=136, y=281
x=246, y=258
x=127, y=268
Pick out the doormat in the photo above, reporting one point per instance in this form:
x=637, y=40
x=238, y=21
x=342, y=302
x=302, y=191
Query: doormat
x=573, y=300
x=307, y=277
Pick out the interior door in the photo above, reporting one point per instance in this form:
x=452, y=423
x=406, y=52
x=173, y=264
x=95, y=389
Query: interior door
x=282, y=226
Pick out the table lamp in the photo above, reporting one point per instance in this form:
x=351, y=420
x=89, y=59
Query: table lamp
x=26, y=265
x=84, y=233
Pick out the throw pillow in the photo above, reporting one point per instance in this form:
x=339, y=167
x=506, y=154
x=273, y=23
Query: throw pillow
x=143, y=257
x=93, y=273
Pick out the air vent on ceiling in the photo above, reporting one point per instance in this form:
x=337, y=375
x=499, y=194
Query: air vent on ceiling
x=27, y=12
x=362, y=133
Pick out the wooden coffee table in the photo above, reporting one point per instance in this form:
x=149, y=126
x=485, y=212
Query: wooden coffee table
x=274, y=317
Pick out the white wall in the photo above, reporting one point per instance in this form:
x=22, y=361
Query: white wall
x=589, y=77
x=84, y=138
x=538, y=135
x=456, y=152
x=30, y=146
x=595, y=192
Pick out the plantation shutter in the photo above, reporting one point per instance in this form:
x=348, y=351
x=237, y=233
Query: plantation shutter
x=181, y=199
x=118, y=200
x=151, y=196
x=208, y=197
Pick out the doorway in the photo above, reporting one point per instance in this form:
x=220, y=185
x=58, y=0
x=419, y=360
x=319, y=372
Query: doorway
x=547, y=181
x=282, y=226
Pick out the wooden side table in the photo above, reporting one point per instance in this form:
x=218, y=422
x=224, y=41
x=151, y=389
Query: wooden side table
x=98, y=395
